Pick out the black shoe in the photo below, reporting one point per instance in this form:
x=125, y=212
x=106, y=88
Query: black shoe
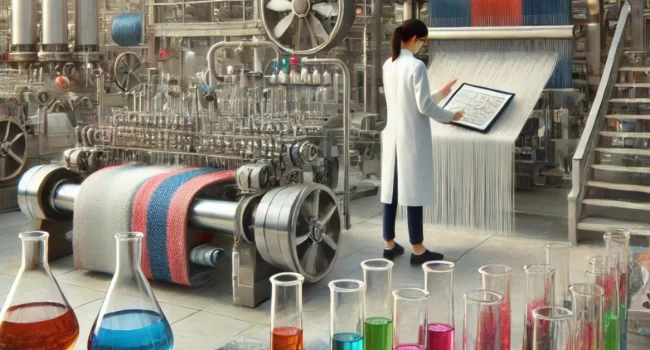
x=392, y=253
x=424, y=257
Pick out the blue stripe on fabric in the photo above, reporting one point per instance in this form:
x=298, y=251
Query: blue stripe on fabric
x=546, y=12
x=157, y=213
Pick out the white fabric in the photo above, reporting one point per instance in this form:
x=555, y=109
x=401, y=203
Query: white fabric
x=407, y=136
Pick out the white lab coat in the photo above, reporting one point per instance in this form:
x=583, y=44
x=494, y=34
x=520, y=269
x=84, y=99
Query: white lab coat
x=407, y=136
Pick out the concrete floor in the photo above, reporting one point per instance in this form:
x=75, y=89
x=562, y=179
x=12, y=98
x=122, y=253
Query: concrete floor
x=204, y=318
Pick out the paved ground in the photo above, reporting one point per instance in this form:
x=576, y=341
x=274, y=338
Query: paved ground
x=204, y=318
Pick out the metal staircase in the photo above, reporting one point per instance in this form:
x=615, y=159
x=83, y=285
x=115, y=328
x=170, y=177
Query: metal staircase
x=611, y=166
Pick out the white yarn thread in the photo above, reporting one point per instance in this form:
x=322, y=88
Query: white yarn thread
x=474, y=187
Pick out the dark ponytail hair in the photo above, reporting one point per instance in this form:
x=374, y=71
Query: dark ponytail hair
x=405, y=32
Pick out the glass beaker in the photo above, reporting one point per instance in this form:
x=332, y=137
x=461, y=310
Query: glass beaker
x=130, y=316
x=286, y=311
x=587, y=316
x=482, y=323
x=604, y=273
x=410, y=317
x=378, y=325
x=439, y=282
x=557, y=255
x=496, y=278
x=346, y=314
x=35, y=314
x=540, y=288
x=617, y=245
x=552, y=329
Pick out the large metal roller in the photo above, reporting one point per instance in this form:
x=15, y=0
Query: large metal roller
x=294, y=228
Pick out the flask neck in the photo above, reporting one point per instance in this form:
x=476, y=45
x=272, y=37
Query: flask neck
x=34, y=254
x=128, y=255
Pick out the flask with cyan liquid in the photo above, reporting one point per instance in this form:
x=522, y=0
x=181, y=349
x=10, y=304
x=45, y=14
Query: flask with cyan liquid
x=36, y=315
x=130, y=317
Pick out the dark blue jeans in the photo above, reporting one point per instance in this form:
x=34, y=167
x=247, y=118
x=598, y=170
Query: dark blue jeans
x=413, y=217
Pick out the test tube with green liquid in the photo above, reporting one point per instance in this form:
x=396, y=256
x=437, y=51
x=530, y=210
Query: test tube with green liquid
x=378, y=324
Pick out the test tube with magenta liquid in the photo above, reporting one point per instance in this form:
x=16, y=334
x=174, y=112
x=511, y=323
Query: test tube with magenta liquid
x=286, y=311
x=346, y=314
x=439, y=282
x=410, y=319
x=378, y=324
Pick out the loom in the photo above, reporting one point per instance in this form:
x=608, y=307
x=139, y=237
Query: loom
x=237, y=98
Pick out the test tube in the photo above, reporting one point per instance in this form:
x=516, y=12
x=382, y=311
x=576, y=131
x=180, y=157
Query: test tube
x=496, y=278
x=552, y=328
x=410, y=317
x=378, y=324
x=617, y=245
x=557, y=255
x=587, y=316
x=482, y=323
x=540, y=288
x=286, y=311
x=604, y=273
x=439, y=282
x=346, y=314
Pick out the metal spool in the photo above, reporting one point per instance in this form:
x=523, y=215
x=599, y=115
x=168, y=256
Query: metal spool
x=305, y=27
x=298, y=228
x=13, y=150
x=127, y=71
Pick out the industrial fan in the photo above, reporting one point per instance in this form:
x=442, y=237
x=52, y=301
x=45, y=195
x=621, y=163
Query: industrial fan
x=307, y=26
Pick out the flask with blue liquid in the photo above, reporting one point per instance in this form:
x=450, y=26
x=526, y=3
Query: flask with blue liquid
x=130, y=317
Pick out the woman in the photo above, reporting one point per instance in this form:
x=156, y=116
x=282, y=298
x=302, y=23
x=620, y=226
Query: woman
x=406, y=140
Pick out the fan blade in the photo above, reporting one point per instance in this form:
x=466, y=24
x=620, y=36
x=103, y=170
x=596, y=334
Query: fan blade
x=279, y=5
x=319, y=31
x=326, y=10
x=283, y=25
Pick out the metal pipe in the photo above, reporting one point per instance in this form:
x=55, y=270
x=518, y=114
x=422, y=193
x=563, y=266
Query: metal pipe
x=101, y=76
x=346, y=129
x=230, y=44
x=204, y=214
x=23, y=22
x=500, y=33
x=55, y=22
x=86, y=24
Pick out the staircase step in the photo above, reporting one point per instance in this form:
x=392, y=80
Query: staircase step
x=604, y=224
x=633, y=85
x=617, y=204
x=634, y=69
x=630, y=100
x=629, y=135
x=622, y=169
x=619, y=187
x=628, y=151
x=628, y=117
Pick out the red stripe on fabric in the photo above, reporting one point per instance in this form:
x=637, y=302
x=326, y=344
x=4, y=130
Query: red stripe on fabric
x=177, y=250
x=139, y=214
x=496, y=13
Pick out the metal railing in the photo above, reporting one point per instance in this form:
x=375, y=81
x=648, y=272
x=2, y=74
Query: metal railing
x=583, y=158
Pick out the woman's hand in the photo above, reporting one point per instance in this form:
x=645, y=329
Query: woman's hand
x=458, y=116
x=446, y=88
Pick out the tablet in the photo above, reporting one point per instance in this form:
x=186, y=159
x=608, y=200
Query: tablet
x=482, y=106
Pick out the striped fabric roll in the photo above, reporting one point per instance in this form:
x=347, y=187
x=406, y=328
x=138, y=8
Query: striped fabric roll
x=160, y=211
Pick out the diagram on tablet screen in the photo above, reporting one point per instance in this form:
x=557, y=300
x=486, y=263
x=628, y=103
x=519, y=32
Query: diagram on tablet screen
x=480, y=105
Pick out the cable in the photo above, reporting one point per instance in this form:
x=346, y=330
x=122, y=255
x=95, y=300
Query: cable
x=127, y=29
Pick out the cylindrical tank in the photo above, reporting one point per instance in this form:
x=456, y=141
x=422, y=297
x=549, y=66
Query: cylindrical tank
x=23, y=22
x=55, y=22
x=86, y=25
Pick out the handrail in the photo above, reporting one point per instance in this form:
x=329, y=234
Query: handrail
x=583, y=156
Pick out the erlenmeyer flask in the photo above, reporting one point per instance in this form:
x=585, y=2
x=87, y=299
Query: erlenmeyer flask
x=286, y=311
x=36, y=315
x=130, y=317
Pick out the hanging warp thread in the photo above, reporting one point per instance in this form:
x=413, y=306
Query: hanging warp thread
x=473, y=172
x=127, y=29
